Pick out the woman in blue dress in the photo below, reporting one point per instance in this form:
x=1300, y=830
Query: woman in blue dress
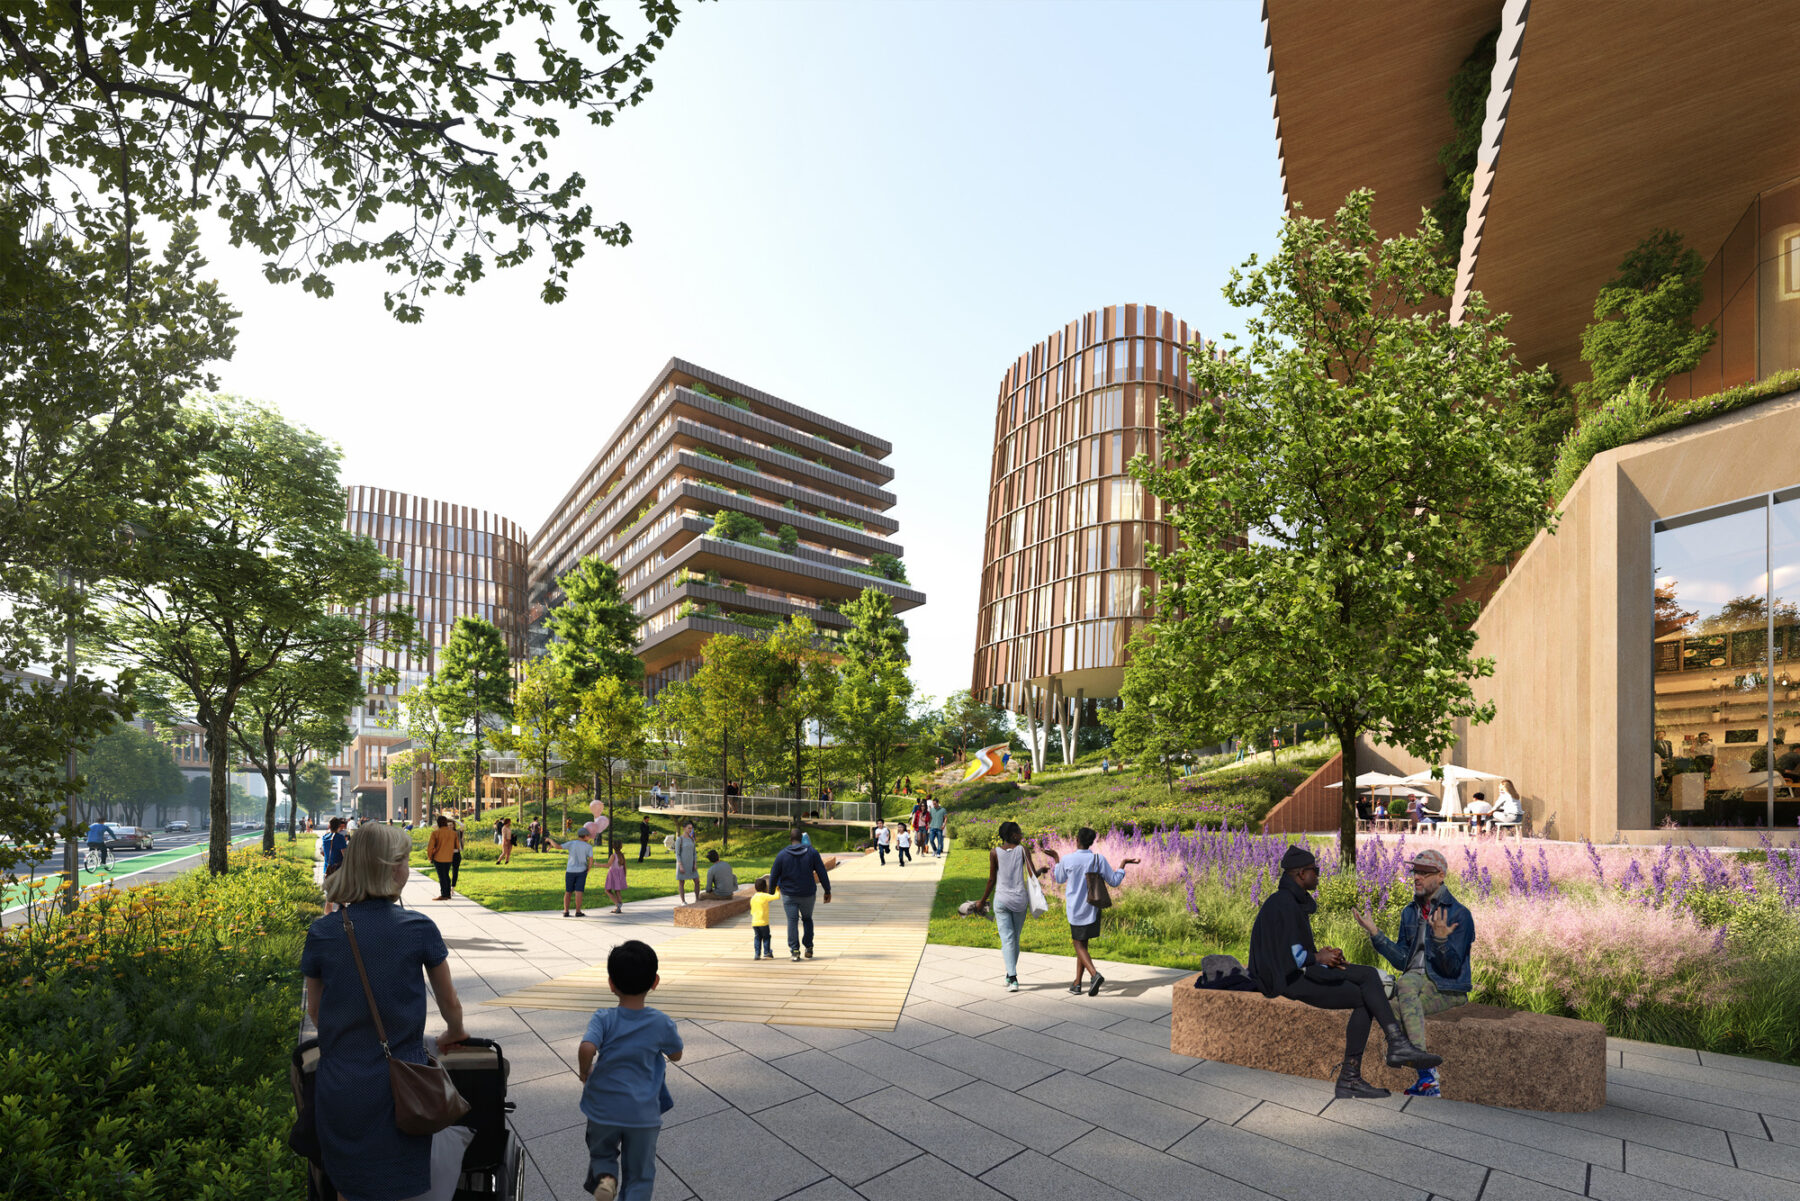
x=361, y=1148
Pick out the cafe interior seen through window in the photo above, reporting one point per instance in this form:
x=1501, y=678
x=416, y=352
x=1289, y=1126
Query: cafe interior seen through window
x=1726, y=664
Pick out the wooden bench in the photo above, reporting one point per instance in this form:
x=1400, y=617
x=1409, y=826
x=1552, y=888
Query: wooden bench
x=703, y=915
x=1492, y=1056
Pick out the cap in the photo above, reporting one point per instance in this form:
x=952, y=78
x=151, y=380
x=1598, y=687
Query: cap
x=1432, y=859
x=1295, y=858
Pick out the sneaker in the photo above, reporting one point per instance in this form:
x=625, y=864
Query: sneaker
x=1095, y=990
x=1076, y=988
x=607, y=1189
x=581, y=913
x=809, y=952
x=1424, y=1088
x=796, y=956
x=565, y=913
x=1012, y=984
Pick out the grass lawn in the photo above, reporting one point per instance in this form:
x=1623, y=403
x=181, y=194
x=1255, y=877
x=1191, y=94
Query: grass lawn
x=1237, y=796
x=534, y=880
x=1140, y=928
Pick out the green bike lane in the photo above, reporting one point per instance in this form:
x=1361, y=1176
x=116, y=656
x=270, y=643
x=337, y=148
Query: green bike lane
x=16, y=895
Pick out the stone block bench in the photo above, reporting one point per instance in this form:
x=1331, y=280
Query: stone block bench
x=1492, y=1056
x=703, y=915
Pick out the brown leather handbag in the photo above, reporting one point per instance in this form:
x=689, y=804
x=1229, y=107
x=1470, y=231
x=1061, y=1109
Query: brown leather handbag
x=425, y=1098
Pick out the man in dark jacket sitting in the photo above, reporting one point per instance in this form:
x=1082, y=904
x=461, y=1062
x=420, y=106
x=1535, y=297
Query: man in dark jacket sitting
x=1285, y=963
x=1432, y=955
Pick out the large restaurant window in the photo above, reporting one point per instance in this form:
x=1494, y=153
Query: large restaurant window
x=1726, y=664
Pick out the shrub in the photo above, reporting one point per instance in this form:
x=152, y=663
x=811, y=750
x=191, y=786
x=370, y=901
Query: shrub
x=1615, y=429
x=888, y=567
x=148, y=1036
x=788, y=537
x=734, y=526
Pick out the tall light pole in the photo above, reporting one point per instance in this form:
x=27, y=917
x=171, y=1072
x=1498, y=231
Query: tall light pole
x=71, y=861
x=475, y=729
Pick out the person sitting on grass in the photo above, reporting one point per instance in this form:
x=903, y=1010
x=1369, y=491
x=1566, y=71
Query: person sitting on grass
x=1285, y=963
x=721, y=881
x=575, y=872
x=622, y=1067
x=1432, y=955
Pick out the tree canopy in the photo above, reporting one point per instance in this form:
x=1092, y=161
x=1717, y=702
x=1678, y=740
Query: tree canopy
x=236, y=572
x=1644, y=320
x=593, y=633
x=412, y=133
x=1358, y=439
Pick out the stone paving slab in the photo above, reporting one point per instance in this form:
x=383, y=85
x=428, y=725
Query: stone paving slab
x=979, y=1094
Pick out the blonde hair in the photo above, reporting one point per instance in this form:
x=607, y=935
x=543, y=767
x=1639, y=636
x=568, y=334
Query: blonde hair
x=368, y=869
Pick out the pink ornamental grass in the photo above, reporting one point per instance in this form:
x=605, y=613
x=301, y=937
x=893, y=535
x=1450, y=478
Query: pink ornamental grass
x=1589, y=952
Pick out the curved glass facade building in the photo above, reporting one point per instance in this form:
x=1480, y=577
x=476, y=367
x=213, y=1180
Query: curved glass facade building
x=1063, y=557
x=457, y=561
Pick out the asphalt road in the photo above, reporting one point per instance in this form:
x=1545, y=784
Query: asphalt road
x=172, y=855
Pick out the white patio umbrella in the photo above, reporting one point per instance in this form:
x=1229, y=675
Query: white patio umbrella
x=1452, y=774
x=1370, y=779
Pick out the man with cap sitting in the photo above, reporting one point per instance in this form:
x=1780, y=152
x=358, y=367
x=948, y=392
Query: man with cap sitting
x=1432, y=955
x=1285, y=963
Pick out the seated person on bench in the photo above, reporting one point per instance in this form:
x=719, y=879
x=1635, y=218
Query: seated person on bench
x=721, y=881
x=1285, y=963
x=1432, y=954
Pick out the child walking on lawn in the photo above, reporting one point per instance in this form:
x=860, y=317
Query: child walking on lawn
x=760, y=945
x=623, y=1095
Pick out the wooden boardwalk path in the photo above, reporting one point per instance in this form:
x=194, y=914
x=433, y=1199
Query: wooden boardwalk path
x=868, y=944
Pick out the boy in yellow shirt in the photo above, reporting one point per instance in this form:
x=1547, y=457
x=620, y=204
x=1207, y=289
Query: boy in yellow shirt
x=760, y=946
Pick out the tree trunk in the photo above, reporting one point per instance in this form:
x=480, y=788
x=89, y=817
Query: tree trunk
x=799, y=772
x=724, y=783
x=218, y=754
x=1347, y=804
x=477, y=768
x=268, y=837
x=293, y=799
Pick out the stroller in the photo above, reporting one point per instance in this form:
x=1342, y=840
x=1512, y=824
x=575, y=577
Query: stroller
x=493, y=1167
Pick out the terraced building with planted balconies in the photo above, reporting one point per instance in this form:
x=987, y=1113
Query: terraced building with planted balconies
x=725, y=510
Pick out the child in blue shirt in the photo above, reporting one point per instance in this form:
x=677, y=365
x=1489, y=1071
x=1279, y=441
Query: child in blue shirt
x=622, y=1070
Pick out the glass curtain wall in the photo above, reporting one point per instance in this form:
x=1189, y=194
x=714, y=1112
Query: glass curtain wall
x=1726, y=664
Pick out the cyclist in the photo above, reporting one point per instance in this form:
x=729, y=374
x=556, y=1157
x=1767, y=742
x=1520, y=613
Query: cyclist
x=96, y=841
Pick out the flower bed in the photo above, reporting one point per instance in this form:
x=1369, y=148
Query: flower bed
x=1678, y=944
x=147, y=1038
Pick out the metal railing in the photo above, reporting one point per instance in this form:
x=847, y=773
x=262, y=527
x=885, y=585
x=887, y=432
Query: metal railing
x=712, y=804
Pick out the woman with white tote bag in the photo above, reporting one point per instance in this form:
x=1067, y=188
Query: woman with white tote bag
x=1013, y=885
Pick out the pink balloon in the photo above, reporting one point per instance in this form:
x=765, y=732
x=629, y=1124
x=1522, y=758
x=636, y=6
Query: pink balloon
x=597, y=808
x=597, y=827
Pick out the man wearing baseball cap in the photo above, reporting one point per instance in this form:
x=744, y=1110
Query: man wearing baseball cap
x=1432, y=955
x=1285, y=963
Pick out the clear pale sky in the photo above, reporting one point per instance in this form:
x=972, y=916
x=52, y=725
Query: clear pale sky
x=865, y=208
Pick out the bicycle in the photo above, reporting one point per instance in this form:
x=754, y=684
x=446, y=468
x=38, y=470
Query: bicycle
x=94, y=859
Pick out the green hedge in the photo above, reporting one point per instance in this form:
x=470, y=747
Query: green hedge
x=1637, y=413
x=144, y=1041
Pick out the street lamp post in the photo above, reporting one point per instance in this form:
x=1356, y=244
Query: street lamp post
x=475, y=729
x=71, y=861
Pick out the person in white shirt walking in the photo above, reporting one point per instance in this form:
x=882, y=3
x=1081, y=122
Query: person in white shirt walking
x=1072, y=873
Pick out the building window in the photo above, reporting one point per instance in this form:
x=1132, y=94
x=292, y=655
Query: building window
x=1725, y=664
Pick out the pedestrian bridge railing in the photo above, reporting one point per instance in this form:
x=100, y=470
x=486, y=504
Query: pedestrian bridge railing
x=712, y=804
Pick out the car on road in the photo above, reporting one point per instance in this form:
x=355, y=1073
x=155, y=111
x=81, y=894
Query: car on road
x=177, y=827
x=129, y=838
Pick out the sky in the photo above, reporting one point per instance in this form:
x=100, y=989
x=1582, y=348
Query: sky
x=866, y=208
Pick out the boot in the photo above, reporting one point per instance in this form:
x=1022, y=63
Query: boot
x=1402, y=1054
x=1350, y=1083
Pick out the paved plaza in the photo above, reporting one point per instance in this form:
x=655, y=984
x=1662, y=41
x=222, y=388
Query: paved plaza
x=975, y=1094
